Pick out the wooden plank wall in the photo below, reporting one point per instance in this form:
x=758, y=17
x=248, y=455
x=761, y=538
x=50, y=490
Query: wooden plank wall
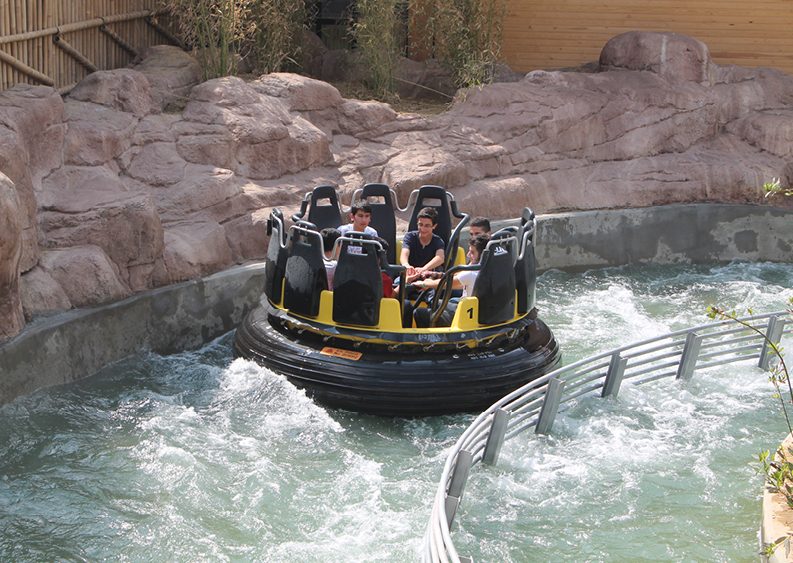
x=552, y=34
x=21, y=16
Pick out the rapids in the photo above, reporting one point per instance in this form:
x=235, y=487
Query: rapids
x=200, y=457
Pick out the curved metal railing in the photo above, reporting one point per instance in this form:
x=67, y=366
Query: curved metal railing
x=535, y=404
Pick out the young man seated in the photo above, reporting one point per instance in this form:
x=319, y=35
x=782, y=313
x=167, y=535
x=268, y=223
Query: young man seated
x=422, y=250
x=464, y=280
x=478, y=226
x=360, y=215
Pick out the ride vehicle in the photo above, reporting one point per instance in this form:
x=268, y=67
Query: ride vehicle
x=351, y=348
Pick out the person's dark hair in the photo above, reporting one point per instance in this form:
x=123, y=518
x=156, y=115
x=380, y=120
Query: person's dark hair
x=329, y=236
x=481, y=222
x=360, y=205
x=480, y=242
x=383, y=242
x=428, y=213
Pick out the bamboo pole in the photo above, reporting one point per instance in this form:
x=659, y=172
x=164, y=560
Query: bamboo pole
x=74, y=53
x=77, y=26
x=119, y=40
x=22, y=67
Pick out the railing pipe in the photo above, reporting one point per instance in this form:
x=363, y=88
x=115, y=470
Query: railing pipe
x=536, y=404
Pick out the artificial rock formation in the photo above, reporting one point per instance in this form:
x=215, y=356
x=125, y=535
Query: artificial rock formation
x=109, y=196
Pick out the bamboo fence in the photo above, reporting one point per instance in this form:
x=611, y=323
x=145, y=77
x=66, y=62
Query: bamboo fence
x=58, y=42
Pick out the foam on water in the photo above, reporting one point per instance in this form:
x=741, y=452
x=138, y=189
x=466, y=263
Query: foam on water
x=200, y=457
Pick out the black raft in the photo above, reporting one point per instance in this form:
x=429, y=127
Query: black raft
x=353, y=349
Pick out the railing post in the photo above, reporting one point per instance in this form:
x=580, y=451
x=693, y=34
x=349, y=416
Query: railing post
x=460, y=474
x=496, y=437
x=689, y=358
x=553, y=396
x=773, y=335
x=451, y=509
x=614, y=376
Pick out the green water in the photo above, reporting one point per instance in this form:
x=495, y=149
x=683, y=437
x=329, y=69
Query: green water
x=199, y=457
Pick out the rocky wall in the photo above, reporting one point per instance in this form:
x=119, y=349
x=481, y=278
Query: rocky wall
x=113, y=196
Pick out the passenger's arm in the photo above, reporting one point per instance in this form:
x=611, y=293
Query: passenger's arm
x=434, y=283
x=410, y=271
x=436, y=261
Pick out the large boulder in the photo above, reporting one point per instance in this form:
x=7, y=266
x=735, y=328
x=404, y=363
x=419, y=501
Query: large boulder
x=92, y=206
x=171, y=73
x=11, y=314
x=265, y=141
x=86, y=274
x=41, y=294
x=676, y=58
x=122, y=89
x=33, y=123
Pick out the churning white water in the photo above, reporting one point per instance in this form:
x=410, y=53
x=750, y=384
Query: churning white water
x=199, y=457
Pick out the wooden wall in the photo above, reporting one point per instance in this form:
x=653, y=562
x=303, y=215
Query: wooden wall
x=552, y=34
x=41, y=53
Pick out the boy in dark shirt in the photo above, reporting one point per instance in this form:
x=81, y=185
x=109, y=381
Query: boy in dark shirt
x=422, y=250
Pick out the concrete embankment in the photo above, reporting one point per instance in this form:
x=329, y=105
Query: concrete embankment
x=78, y=343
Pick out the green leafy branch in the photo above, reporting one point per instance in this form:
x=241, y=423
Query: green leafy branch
x=774, y=187
x=777, y=471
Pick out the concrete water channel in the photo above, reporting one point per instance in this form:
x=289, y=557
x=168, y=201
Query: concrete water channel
x=79, y=343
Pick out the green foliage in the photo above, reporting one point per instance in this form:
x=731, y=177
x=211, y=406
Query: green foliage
x=373, y=32
x=777, y=472
x=278, y=35
x=466, y=34
x=774, y=187
x=268, y=33
x=779, y=373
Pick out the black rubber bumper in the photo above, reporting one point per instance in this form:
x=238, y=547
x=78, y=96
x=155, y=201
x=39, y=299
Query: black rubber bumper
x=406, y=384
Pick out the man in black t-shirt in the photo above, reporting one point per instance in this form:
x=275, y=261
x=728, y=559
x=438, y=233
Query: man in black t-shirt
x=422, y=250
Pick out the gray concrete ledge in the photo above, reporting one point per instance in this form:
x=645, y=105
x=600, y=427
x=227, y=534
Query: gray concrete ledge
x=78, y=343
x=184, y=316
x=697, y=233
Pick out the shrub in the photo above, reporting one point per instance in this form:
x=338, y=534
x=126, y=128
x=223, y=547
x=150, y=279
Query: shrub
x=373, y=31
x=268, y=33
x=466, y=34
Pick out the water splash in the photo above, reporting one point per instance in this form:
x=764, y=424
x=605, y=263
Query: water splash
x=200, y=457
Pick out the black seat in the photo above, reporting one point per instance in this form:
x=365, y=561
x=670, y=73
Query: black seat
x=495, y=284
x=277, y=253
x=434, y=196
x=357, y=282
x=526, y=264
x=383, y=215
x=324, y=209
x=305, y=272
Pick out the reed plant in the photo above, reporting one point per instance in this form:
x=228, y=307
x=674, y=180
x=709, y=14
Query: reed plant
x=268, y=34
x=373, y=31
x=465, y=34
x=278, y=35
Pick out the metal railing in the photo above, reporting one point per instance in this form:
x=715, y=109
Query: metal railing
x=535, y=405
